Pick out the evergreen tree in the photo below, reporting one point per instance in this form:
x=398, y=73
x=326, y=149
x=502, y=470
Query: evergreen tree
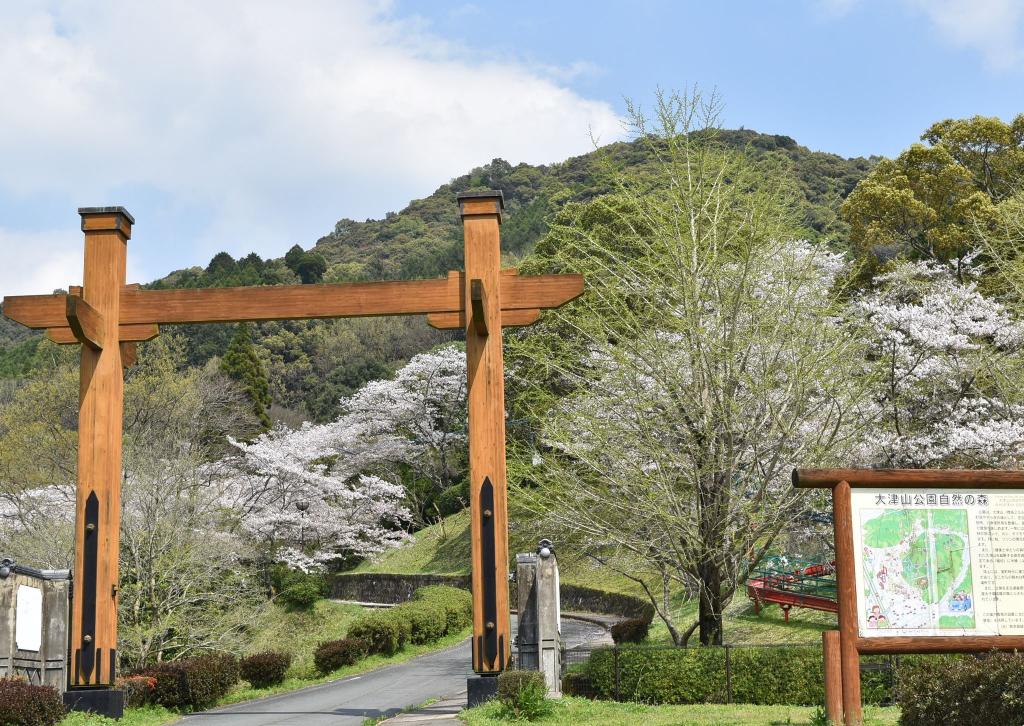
x=242, y=364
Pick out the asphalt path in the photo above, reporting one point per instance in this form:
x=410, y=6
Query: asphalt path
x=383, y=692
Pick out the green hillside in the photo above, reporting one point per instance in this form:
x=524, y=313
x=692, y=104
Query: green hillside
x=311, y=364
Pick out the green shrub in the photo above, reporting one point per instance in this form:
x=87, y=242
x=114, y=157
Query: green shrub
x=765, y=676
x=266, y=669
x=297, y=590
x=633, y=630
x=956, y=689
x=523, y=695
x=661, y=675
x=193, y=683
x=138, y=690
x=427, y=620
x=453, y=499
x=22, y=704
x=335, y=654
x=577, y=684
x=778, y=676
x=382, y=631
x=403, y=620
x=457, y=604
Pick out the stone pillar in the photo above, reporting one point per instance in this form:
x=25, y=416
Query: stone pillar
x=539, y=637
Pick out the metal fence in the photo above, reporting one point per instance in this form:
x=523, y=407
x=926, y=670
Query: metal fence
x=879, y=669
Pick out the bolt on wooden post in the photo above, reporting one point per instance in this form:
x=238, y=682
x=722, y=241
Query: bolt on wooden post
x=93, y=316
x=481, y=217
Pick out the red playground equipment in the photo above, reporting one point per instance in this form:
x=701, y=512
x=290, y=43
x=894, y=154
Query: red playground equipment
x=792, y=583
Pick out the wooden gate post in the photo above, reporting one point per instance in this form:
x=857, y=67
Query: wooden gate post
x=93, y=317
x=481, y=217
x=846, y=584
x=833, y=676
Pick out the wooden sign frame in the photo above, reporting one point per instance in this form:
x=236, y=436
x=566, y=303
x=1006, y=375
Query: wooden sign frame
x=851, y=645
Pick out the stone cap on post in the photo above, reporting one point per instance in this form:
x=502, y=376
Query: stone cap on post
x=107, y=219
x=481, y=202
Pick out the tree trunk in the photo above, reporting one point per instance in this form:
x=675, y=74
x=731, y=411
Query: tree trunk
x=713, y=508
x=711, y=604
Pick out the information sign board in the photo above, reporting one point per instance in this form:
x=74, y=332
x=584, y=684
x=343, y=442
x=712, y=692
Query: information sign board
x=938, y=562
x=28, y=623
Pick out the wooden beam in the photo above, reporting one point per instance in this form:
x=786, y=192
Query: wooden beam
x=129, y=354
x=939, y=644
x=509, y=319
x=282, y=302
x=93, y=612
x=925, y=478
x=485, y=394
x=84, y=321
x=479, y=303
x=832, y=667
x=125, y=334
x=846, y=589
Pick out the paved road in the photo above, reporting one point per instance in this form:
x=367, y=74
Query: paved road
x=383, y=692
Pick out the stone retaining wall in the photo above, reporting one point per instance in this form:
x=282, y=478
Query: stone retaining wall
x=393, y=589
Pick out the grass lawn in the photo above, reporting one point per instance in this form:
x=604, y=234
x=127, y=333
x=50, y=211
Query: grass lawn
x=151, y=716
x=299, y=633
x=583, y=712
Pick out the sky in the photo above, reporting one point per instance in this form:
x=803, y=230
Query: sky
x=255, y=126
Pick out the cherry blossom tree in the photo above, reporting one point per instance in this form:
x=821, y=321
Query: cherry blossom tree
x=950, y=364
x=322, y=491
x=303, y=497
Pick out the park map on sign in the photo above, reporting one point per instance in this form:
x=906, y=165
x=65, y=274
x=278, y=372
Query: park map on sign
x=917, y=569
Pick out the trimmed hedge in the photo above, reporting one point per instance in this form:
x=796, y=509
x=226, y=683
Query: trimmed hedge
x=334, y=654
x=380, y=630
x=22, y=704
x=457, y=604
x=193, y=683
x=961, y=689
x=633, y=630
x=427, y=621
x=266, y=669
x=434, y=612
x=763, y=676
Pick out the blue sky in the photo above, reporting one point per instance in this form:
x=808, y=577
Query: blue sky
x=257, y=126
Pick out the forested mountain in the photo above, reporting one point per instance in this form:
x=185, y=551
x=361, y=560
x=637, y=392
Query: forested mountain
x=310, y=364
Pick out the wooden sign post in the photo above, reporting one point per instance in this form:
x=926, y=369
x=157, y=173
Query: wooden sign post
x=108, y=317
x=927, y=561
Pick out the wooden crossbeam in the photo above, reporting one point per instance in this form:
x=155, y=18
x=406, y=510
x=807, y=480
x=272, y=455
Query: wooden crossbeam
x=509, y=319
x=125, y=334
x=84, y=321
x=282, y=302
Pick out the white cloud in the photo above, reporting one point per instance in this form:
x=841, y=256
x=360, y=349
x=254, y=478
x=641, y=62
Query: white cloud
x=995, y=28
x=255, y=117
x=45, y=261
